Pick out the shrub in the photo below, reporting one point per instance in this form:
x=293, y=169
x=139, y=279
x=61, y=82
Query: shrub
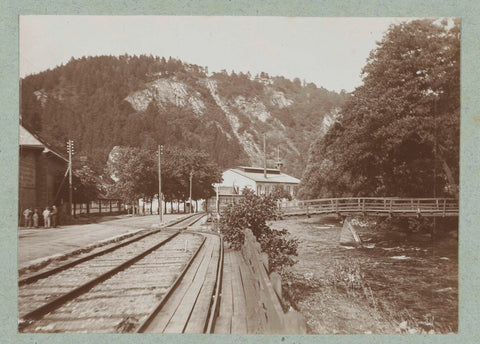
x=253, y=212
x=419, y=225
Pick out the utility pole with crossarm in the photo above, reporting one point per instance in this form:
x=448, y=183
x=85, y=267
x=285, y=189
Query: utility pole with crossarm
x=160, y=196
x=191, y=180
x=70, y=150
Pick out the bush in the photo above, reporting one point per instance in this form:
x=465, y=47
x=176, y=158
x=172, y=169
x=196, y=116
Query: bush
x=421, y=224
x=253, y=212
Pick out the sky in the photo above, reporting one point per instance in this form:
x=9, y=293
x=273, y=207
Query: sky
x=327, y=51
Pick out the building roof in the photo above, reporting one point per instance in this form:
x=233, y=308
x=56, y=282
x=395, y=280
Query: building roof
x=226, y=190
x=27, y=139
x=273, y=175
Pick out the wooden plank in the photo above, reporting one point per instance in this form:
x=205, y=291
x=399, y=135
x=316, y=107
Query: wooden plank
x=160, y=322
x=198, y=318
x=224, y=320
x=252, y=252
x=252, y=300
x=179, y=320
x=268, y=298
x=239, y=323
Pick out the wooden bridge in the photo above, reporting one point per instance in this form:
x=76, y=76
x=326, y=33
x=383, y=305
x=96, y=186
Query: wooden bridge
x=370, y=206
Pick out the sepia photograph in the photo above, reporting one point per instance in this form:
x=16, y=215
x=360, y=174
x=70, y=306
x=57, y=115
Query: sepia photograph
x=238, y=175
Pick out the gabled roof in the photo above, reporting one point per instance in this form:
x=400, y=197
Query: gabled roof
x=273, y=175
x=27, y=139
x=258, y=169
x=227, y=190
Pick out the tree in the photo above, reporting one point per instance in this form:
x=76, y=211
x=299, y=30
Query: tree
x=87, y=185
x=134, y=173
x=178, y=163
x=399, y=132
x=253, y=212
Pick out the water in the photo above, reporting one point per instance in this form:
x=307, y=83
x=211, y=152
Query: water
x=412, y=279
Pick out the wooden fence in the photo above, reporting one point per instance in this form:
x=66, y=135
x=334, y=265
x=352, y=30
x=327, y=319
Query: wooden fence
x=375, y=206
x=101, y=206
x=265, y=293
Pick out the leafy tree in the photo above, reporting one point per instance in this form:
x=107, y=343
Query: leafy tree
x=399, y=131
x=177, y=166
x=134, y=173
x=87, y=185
x=253, y=212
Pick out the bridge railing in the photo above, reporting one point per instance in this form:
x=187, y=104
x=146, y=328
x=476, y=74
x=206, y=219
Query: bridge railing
x=377, y=206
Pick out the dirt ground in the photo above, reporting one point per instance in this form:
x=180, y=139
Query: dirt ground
x=393, y=284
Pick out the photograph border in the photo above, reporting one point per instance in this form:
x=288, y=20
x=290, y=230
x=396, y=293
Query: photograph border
x=469, y=236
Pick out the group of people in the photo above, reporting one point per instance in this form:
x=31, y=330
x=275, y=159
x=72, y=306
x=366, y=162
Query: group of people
x=50, y=217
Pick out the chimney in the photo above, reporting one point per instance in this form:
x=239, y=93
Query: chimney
x=278, y=163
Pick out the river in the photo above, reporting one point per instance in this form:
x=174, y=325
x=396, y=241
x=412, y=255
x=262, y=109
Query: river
x=394, y=283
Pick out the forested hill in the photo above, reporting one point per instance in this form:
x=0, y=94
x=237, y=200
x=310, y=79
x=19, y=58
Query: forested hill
x=399, y=133
x=142, y=101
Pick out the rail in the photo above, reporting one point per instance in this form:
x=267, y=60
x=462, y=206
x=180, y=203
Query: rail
x=372, y=206
x=72, y=294
x=176, y=224
x=191, y=303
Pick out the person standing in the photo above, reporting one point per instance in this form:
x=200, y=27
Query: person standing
x=54, y=214
x=28, y=217
x=46, y=217
x=35, y=218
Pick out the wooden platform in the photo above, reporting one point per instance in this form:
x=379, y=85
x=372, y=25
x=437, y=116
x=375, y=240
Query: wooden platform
x=187, y=309
x=232, y=317
x=249, y=305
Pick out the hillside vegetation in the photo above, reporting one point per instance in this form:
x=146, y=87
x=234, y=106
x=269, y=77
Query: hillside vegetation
x=399, y=133
x=143, y=101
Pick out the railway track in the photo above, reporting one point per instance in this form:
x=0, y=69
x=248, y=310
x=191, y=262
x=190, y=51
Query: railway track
x=129, y=287
x=191, y=306
x=33, y=274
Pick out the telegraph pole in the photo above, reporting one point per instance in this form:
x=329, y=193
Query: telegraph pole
x=70, y=151
x=191, y=180
x=160, y=196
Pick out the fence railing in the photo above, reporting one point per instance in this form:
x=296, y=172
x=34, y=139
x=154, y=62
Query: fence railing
x=102, y=206
x=388, y=206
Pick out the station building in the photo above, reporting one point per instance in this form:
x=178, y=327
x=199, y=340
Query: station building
x=257, y=179
x=41, y=170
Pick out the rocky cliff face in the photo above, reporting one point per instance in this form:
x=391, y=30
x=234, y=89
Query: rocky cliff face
x=141, y=101
x=164, y=91
x=248, y=118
